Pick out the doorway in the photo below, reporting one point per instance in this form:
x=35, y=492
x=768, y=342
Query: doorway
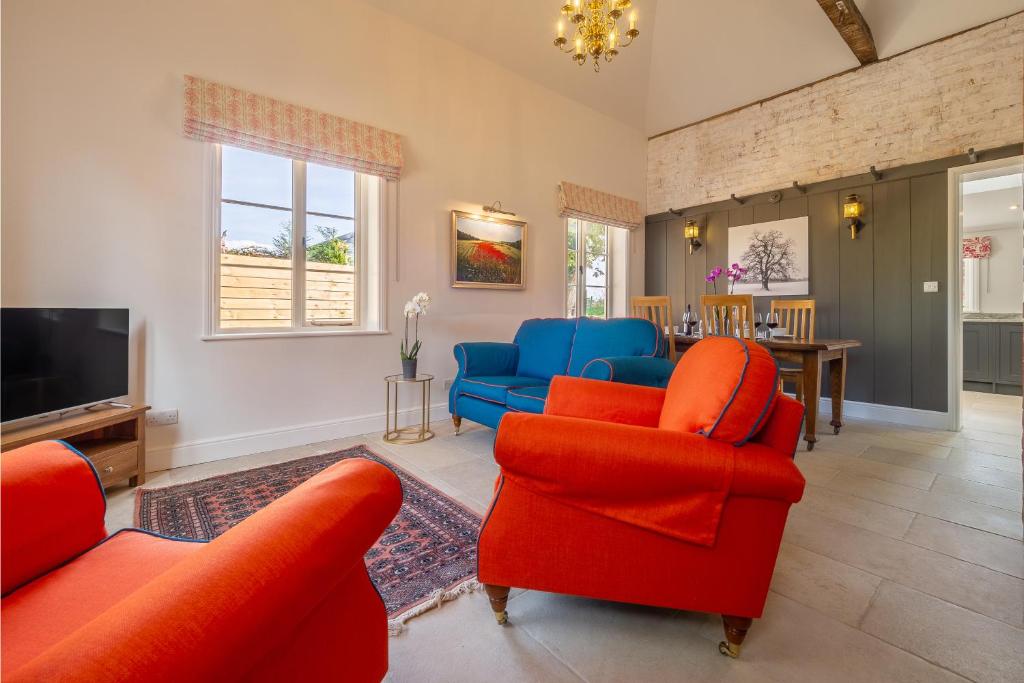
x=986, y=295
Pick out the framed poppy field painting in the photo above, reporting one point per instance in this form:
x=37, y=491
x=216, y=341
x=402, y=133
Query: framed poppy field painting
x=488, y=252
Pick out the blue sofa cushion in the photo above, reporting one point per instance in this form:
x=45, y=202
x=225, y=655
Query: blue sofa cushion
x=612, y=338
x=545, y=345
x=527, y=399
x=494, y=389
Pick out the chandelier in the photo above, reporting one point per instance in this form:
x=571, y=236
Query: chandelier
x=597, y=30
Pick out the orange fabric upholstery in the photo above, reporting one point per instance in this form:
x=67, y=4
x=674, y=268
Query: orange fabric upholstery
x=782, y=431
x=253, y=602
x=55, y=605
x=630, y=404
x=724, y=388
x=645, y=514
x=51, y=509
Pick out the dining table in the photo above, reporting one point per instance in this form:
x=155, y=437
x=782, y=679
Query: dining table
x=808, y=355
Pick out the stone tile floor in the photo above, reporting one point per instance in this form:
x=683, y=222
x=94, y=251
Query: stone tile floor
x=904, y=562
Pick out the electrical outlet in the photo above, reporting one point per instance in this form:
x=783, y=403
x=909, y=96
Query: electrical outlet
x=931, y=286
x=157, y=418
x=448, y=384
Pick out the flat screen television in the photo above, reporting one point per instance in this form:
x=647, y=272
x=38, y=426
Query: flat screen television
x=56, y=359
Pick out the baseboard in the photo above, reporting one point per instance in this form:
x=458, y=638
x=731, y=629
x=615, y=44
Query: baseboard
x=221, y=448
x=912, y=417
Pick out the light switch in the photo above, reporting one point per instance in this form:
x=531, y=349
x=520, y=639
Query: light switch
x=931, y=286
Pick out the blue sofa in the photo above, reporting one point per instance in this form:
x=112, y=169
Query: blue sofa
x=495, y=378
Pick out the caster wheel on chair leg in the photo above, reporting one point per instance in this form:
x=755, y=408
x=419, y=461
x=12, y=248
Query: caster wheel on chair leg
x=501, y=618
x=729, y=650
x=810, y=445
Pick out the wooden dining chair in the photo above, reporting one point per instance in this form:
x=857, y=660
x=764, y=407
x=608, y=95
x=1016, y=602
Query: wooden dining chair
x=736, y=308
x=796, y=316
x=657, y=309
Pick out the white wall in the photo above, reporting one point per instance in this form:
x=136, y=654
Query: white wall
x=103, y=197
x=1002, y=273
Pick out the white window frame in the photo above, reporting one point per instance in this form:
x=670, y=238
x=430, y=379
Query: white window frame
x=581, y=286
x=372, y=215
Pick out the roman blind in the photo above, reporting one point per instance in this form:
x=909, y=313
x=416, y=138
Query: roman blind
x=977, y=247
x=576, y=201
x=219, y=113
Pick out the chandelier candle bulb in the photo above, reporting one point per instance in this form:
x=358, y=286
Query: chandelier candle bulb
x=561, y=30
x=632, y=20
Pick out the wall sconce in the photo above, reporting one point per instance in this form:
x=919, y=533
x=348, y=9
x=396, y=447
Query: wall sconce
x=853, y=210
x=496, y=208
x=691, y=231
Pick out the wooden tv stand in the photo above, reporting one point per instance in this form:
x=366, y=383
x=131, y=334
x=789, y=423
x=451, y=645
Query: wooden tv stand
x=114, y=439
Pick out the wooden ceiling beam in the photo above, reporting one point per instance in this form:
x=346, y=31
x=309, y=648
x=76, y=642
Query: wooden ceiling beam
x=846, y=17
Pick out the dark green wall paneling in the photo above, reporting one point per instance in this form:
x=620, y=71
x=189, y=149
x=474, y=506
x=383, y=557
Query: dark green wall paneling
x=824, y=216
x=869, y=288
x=655, y=254
x=892, y=286
x=928, y=246
x=675, y=285
x=856, y=299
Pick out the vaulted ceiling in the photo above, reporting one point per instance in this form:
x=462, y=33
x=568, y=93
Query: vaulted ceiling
x=693, y=58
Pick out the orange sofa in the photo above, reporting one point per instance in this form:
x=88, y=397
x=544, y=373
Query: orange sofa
x=284, y=595
x=670, y=497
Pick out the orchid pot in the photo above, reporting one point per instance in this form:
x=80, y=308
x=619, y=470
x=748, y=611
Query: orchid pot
x=414, y=308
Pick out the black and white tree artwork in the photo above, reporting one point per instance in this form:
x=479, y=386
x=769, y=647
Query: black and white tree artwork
x=775, y=255
x=769, y=255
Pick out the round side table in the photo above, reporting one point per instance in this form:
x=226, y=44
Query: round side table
x=406, y=435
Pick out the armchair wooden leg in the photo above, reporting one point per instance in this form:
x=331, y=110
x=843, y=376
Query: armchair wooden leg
x=498, y=596
x=457, y=421
x=735, y=631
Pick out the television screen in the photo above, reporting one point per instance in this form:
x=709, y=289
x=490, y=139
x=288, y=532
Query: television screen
x=59, y=358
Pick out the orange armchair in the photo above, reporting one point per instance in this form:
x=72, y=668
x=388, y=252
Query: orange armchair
x=284, y=595
x=670, y=497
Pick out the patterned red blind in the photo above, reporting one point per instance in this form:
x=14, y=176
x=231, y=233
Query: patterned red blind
x=977, y=247
x=222, y=114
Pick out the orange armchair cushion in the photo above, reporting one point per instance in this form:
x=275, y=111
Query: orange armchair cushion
x=50, y=608
x=723, y=388
x=51, y=509
x=593, y=399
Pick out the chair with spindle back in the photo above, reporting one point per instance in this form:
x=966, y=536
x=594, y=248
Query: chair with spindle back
x=796, y=316
x=737, y=308
x=657, y=309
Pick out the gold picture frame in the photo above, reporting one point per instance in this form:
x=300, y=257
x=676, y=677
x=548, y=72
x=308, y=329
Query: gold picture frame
x=487, y=252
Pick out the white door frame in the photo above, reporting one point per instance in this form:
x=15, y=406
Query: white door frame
x=954, y=276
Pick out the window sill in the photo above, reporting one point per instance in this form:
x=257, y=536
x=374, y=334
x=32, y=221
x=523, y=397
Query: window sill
x=231, y=336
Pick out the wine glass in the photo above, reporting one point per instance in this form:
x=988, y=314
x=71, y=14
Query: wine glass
x=772, y=323
x=689, y=319
x=758, y=324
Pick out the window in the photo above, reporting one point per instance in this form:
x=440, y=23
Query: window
x=297, y=246
x=587, y=269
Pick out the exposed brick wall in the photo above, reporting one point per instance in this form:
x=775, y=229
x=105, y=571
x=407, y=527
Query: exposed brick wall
x=933, y=102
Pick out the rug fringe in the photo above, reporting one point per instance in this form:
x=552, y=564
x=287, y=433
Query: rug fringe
x=397, y=625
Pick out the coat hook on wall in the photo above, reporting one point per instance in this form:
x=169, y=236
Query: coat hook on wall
x=972, y=155
x=736, y=199
x=875, y=173
x=799, y=188
x=677, y=212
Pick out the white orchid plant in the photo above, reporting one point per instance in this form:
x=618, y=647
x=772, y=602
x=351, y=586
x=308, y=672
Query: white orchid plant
x=414, y=308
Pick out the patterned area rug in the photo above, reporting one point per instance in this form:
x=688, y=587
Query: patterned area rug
x=425, y=557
